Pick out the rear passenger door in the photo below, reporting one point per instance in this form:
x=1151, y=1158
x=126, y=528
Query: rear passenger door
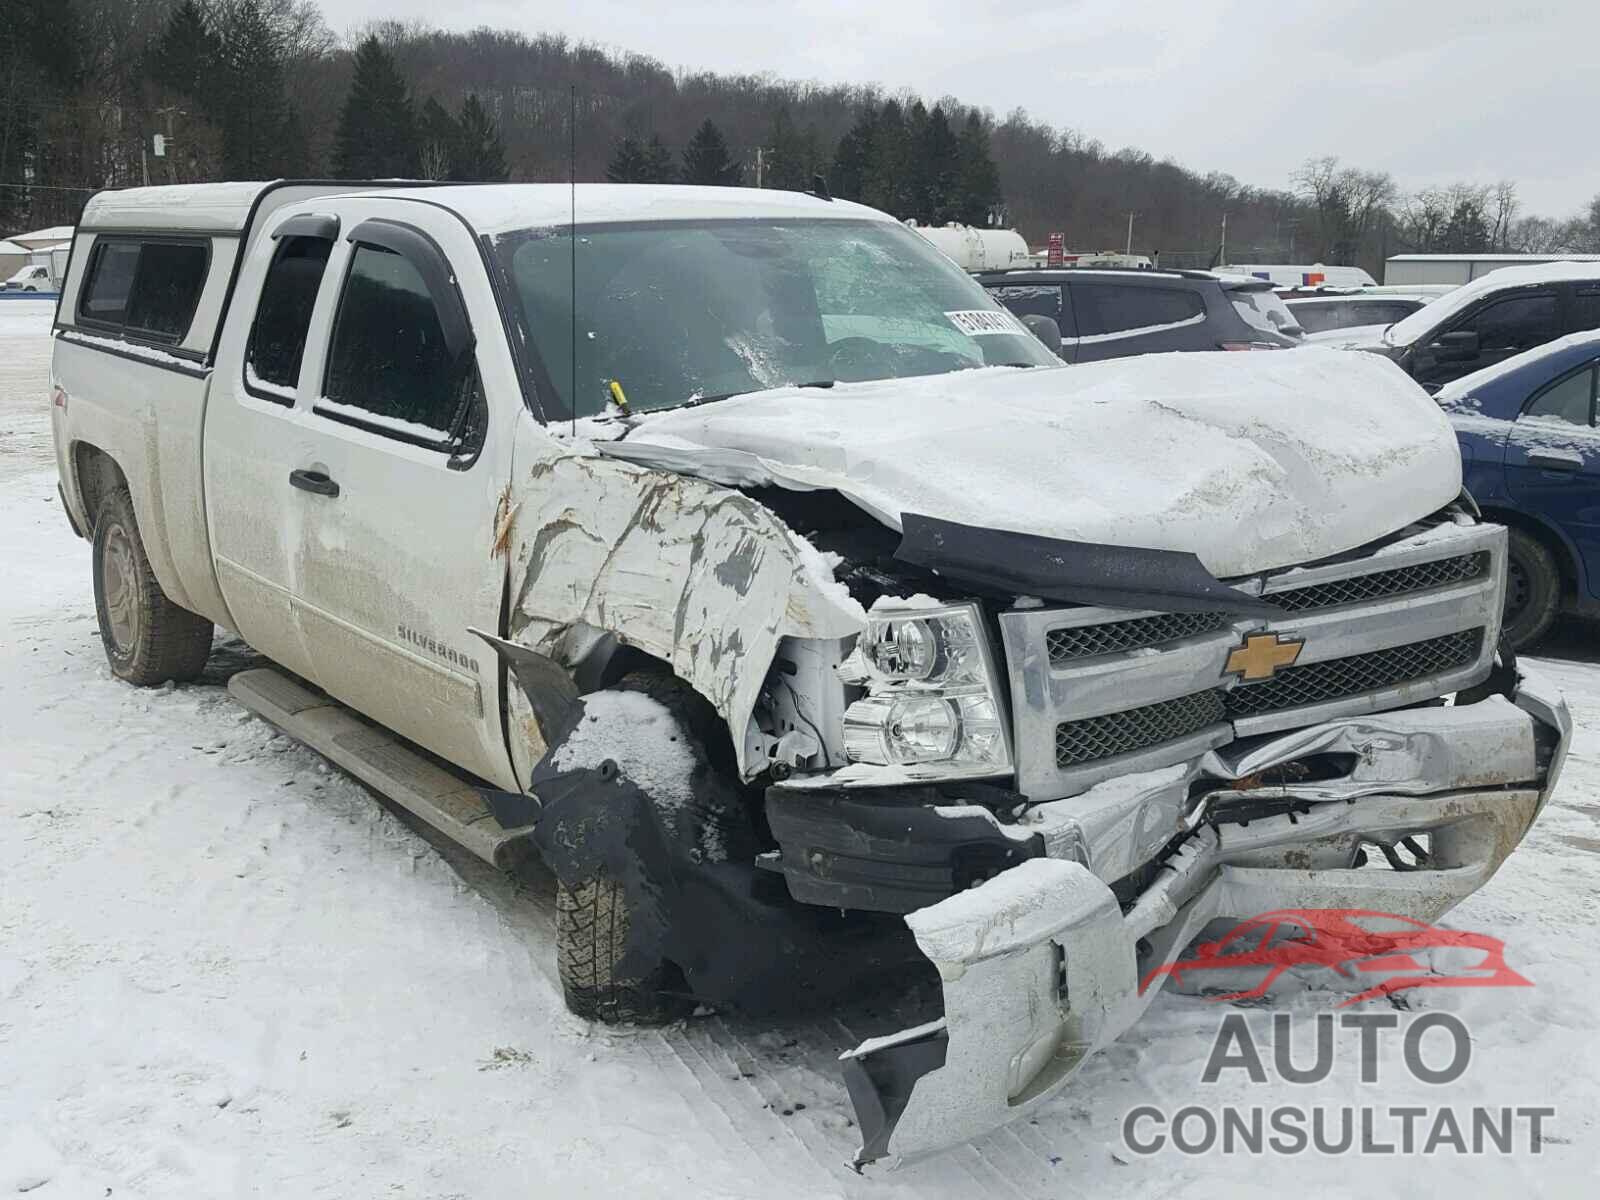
x=411, y=422
x=1115, y=320
x=1552, y=461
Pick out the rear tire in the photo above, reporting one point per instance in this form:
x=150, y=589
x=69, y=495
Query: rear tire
x=591, y=939
x=1533, y=590
x=148, y=639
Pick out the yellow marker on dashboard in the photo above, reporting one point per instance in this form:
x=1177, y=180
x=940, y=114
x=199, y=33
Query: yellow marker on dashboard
x=618, y=396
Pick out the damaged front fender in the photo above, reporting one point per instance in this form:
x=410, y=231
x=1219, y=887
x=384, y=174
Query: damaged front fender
x=695, y=574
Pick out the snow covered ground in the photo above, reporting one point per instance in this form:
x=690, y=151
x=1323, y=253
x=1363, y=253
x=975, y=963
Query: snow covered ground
x=228, y=970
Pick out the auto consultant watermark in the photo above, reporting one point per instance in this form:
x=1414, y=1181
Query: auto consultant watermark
x=1374, y=955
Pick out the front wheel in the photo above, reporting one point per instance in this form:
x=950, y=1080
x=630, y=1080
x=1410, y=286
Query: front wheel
x=591, y=942
x=147, y=638
x=1533, y=590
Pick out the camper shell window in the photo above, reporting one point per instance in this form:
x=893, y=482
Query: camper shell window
x=145, y=289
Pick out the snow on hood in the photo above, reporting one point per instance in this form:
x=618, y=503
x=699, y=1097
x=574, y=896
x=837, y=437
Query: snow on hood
x=1351, y=337
x=1250, y=461
x=1430, y=316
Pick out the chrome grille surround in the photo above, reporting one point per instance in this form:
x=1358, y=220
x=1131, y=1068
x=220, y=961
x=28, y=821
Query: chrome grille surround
x=1049, y=691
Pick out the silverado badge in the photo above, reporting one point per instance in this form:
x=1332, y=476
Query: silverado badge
x=1261, y=655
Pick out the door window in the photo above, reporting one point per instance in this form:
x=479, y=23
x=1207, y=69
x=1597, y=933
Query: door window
x=283, y=317
x=388, y=367
x=1514, y=323
x=1586, y=309
x=1031, y=299
x=1112, y=309
x=1570, y=399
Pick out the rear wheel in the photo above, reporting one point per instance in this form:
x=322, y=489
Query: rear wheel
x=147, y=638
x=1533, y=590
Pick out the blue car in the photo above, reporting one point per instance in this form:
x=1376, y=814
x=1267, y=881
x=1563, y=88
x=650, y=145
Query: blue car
x=1530, y=452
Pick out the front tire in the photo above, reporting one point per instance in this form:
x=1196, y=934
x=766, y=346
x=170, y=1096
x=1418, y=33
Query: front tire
x=1533, y=590
x=591, y=940
x=147, y=638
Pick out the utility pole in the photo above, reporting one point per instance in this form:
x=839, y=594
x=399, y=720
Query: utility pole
x=1222, y=254
x=1128, y=249
x=761, y=163
x=169, y=112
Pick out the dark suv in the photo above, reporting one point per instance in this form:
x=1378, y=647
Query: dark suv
x=1115, y=313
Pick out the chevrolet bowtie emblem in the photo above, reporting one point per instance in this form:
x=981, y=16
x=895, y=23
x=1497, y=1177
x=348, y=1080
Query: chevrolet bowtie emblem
x=1261, y=655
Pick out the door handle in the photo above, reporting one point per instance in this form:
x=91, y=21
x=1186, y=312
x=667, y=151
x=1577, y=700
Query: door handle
x=1554, y=462
x=313, y=481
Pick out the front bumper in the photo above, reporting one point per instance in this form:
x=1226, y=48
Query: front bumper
x=1041, y=965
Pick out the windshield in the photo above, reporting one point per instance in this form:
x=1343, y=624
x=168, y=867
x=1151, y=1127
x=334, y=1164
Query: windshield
x=686, y=311
x=1264, y=311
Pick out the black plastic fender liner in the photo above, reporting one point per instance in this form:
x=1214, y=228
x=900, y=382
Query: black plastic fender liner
x=1075, y=572
x=733, y=930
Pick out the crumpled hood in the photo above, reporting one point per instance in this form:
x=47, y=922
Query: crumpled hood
x=1249, y=461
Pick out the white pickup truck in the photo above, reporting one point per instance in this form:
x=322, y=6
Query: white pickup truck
x=734, y=553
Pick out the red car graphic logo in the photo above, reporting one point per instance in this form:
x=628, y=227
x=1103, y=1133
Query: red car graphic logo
x=1353, y=943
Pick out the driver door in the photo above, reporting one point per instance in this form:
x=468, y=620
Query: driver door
x=1501, y=327
x=410, y=429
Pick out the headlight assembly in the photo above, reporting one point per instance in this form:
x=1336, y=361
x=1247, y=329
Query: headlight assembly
x=933, y=697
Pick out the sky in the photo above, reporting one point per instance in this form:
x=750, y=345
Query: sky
x=1432, y=91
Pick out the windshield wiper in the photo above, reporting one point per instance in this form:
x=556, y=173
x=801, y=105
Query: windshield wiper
x=696, y=401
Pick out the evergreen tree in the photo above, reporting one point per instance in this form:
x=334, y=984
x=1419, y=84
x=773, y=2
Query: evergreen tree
x=658, y=164
x=706, y=161
x=440, y=141
x=793, y=154
x=252, y=109
x=480, y=155
x=627, y=163
x=979, y=192
x=939, y=157
x=377, y=136
x=185, y=58
x=888, y=175
x=853, y=157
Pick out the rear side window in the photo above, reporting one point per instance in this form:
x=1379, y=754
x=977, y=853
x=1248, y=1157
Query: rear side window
x=1113, y=309
x=278, y=338
x=388, y=367
x=1570, y=399
x=145, y=289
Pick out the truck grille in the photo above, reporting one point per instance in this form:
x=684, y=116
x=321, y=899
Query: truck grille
x=1136, y=728
x=1296, y=687
x=1415, y=620
x=1085, y=641
x=1439, y=573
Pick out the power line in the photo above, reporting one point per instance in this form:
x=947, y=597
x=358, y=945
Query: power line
x=49, y=187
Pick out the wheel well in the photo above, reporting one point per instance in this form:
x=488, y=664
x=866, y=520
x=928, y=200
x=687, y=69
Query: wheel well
x=1541, y=534
x=98, y=476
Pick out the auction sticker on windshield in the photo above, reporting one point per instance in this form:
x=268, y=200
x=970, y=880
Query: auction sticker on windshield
x=978, y=322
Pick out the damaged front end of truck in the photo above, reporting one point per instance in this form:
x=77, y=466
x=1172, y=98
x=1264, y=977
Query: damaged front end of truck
x=1055, y=743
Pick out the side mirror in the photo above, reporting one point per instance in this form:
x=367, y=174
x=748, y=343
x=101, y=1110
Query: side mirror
x=1459, y=346
x=1046, y=330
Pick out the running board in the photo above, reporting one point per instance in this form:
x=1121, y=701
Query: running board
x=378, y=758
